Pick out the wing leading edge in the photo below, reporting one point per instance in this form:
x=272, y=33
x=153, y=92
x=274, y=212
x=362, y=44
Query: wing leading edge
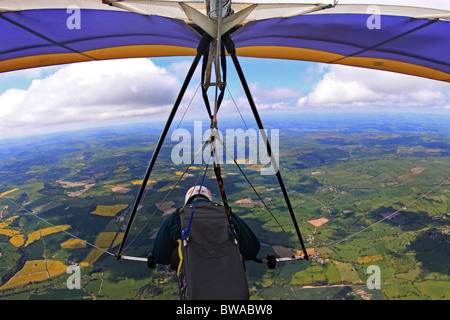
x=408, y=40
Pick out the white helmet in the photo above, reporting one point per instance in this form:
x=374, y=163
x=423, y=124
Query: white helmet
x=194, y=191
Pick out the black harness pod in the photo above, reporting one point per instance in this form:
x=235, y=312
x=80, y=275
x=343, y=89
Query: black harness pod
x=211, y=267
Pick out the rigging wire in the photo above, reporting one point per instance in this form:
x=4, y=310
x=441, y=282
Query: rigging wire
x=87, y=242
x=240, y=114
x=384, y=218
x=202, y=46
x=316, y=253
x=240, y=169
x=248, y=181
x=168, y=194
x=170, y=143
x=239, y=111
x=184, y=114
x=352, y=235
x=54, y=226
x=246, y=178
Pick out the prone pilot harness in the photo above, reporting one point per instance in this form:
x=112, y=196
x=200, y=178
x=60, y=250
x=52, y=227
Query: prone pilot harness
x=189, y=224
x=211, y=266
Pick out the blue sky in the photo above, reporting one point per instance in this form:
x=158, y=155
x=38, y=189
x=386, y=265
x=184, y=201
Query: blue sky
x=123, y=91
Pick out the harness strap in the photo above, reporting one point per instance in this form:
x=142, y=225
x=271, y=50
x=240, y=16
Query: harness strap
x=180, y=255
x=185, y=232
x=217, y=171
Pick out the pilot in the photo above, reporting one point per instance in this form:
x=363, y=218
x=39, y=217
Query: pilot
x=210, y=236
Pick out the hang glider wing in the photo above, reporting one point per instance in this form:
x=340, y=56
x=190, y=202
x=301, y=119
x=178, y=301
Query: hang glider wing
x=42, y=33
x=408, y=40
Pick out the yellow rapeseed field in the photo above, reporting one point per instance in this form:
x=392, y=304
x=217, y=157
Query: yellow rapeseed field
x=93, y=256
x=9, y=232
x=35, y=270
x=36, y=235
x=32, y=266
x=8, y=192
x=73, y=244
x=7, y=222
x=167, y=187
x=368, y=259
x=13, y=234
x=109, y=211
x=105, y=241
x=55, y=268
x=21, y=280
x=139, y=182
x=122, y=169
x=118, y=240
x=17, y=240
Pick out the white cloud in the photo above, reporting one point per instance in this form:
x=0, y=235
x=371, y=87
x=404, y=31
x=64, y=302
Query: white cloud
x=181, y=68
x=343, y=86
x=273, y=98
x=91, y=91
x=120, y=91
x=333, y=89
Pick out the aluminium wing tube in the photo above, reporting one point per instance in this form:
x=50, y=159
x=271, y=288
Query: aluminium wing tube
x=202, y=47
x=232, y=51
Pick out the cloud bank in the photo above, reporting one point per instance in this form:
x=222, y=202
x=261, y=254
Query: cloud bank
x=367, y=89
x=122, y=91
x=90, y=92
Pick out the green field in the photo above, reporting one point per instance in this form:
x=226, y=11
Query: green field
x=383, y=187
